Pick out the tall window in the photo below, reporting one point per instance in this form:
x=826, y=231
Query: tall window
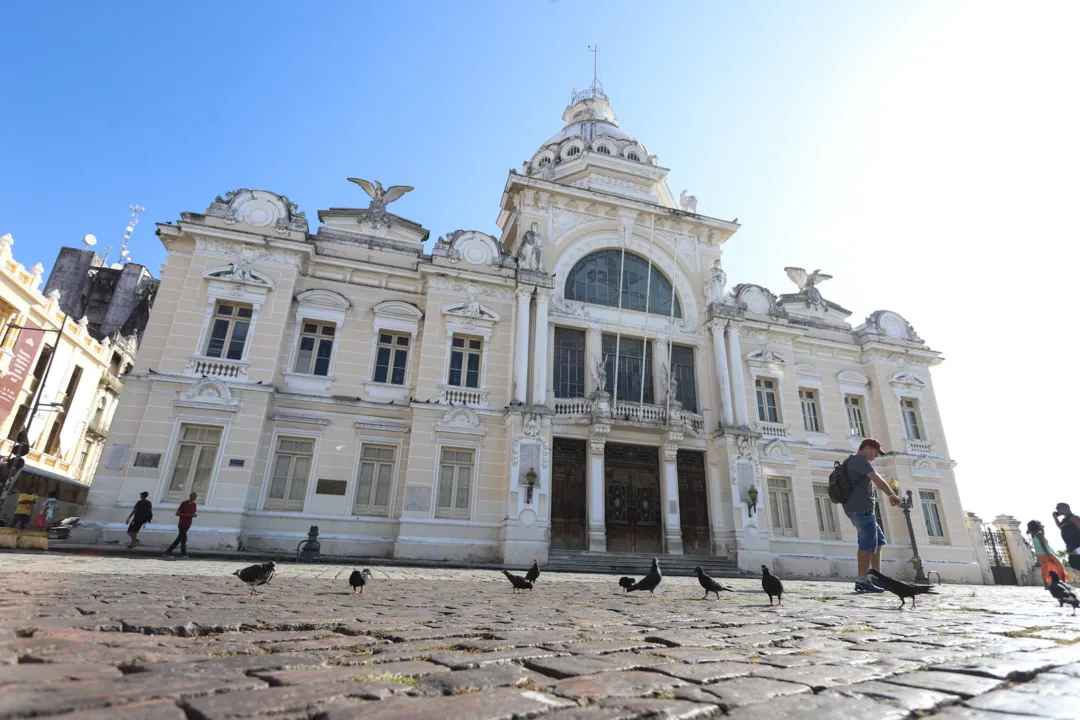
x=765, y=389
x=229, y=331
x=595, y=279
x=856, y=421
x=391, y=356
x=633, y=359
x=316, y=344
x=374, y=481
x=910, y=410
x=931, y=509
x=826, y=513
x=569, y=365
x=289, y=478
x=194, y=461
x=682, y=368
x=455, y=481
x=52, y=445
x=465, y=354
x=810, y=418
x=781, y=507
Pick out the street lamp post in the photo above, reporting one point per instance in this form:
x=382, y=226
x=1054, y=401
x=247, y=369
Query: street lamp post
x=12, y=477
x=906, y=504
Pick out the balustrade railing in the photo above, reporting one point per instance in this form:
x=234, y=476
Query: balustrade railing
x=775, y=430
x=570, y=407
x=217, y=367
x=453, y=395
x=920, y=447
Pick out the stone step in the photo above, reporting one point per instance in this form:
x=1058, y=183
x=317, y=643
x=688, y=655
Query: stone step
x=636, y=564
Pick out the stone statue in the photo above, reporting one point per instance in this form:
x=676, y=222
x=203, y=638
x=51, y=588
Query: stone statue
x=688, y=202
x=531, y=251
x=380, y=198
x=715, y=283
x=808, y=283
x=600, y=374
x=672, y=384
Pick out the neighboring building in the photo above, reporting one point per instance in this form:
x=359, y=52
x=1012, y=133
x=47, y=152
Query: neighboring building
x=78, y=398
x=402, y=401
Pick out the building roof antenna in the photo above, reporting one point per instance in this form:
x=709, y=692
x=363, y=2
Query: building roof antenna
x=125, y=254
x=597, y=86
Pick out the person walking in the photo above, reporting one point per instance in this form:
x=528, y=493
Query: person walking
x=45, y=517
x=861, y=510
x=1047, y=559
x=24, y=508
x=1069, y=525
x=185, y=512
x=140, y=515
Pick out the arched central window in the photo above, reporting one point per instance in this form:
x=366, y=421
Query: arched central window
x=595, y=279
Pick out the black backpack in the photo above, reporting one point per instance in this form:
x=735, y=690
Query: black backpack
x=839, y=483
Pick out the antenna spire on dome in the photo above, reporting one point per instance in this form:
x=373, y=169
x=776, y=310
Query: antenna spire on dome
x=596, y=90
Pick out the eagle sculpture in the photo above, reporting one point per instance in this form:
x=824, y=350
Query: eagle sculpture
x=380, y=198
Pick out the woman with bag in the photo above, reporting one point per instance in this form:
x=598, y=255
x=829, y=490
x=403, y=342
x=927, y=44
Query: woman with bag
x=1048, y=560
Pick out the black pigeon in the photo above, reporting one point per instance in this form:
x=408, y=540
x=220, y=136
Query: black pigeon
x=901, y=589
x=534, y=573
x=358, y=579
x=710, y=585
x=771, y=585
x=255, y=575
x=650, y=581
x=626, y=583
x=517, y=581
x=1062, y=592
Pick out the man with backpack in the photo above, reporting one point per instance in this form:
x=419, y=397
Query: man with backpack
x=853, y=485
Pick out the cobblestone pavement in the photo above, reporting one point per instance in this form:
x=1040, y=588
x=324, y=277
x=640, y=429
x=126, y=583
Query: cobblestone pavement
x=112, y=638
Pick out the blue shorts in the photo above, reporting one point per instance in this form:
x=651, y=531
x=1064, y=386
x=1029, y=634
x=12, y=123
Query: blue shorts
x=870, y=535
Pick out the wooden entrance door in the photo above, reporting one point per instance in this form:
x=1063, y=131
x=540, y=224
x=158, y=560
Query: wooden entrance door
x=568, y=520
x=632, y=499
x=693, y=503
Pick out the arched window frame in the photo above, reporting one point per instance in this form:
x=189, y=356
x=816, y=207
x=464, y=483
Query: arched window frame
x=607, y=294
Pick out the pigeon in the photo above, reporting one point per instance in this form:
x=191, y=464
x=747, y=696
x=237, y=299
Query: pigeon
x=255, y=575
x=1062, y=592
x=710, y=585
x=358, y=579
x=626, y=583
x=771, y=585
x=900, y=588
x=650, y=581
x=517, y=581
x=534, y=573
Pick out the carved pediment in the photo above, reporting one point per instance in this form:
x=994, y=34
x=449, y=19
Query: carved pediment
x=461, y=420
x=472, y=309
x=327, y=299
x=208, y=392
x=241, y=274
x=767, y=356
x=908, y=378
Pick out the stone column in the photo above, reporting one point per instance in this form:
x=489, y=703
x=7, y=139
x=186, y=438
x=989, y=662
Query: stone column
x=521, y=344
x=1024, y=561
x=594, y=491
x=669, y=501
x=974, y=525
x=723, y=377
x=540, y=348
x=738, y=384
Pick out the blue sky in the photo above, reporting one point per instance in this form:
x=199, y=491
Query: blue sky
x=922, y=153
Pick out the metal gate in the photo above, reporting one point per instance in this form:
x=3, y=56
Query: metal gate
x=1001, y=564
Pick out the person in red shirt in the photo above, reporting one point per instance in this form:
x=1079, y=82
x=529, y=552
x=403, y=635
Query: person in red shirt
x=185, y=512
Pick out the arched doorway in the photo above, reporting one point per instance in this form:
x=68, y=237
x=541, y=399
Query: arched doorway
x=632, y=499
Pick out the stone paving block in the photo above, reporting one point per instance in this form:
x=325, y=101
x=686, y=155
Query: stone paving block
x=44, y=673
x=909, y=698
x=462, y=681
x=966, y=713
x=571, y=666
x=466, y=660
x=631, y=709
x=685, y=639
x=632, y=683
x=1072, y=670
x=741, y=691
x=252, y=703
x=1027, y=703
x=1019, y=666
x=352, y=673
x=145, y=710
x=819, y=707
x=702, y=655
x=818, y=677
x=707, y=672
x=78, y=696
x=602, y=648
x=499, y=704
x=960, y=684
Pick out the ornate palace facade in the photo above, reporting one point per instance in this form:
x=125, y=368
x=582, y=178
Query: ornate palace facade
x=584, y=381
